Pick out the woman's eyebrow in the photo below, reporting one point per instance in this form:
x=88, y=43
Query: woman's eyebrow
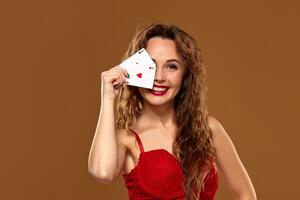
x=174, y=60
x=170, y=60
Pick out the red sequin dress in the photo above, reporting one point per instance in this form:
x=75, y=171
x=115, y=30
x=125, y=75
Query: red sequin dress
x=158, y=175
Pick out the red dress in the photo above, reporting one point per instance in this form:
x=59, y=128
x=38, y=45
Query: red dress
x=158, y=175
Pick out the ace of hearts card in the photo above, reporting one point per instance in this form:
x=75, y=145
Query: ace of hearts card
x=141, y=69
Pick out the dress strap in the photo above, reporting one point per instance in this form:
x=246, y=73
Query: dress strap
x=138, y=140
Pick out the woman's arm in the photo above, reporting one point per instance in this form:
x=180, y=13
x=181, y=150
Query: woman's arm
x=107, y=153
x=229, y=163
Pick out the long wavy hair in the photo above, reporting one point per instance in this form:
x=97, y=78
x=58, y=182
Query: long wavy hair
x=193, y=145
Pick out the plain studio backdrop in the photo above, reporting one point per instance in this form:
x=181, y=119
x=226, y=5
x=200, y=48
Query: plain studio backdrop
x=52, y=55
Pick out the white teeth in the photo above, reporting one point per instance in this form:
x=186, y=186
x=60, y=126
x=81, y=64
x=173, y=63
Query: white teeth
x=159, y=89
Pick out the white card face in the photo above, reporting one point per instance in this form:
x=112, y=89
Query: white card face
x=141, y=69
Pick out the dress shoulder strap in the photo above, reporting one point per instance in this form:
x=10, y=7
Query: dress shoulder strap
x=138, y=140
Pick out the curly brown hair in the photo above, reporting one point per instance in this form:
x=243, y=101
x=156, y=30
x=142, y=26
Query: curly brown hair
x=193, y=144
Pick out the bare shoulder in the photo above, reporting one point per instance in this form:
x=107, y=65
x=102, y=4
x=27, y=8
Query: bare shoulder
x=215, y=125
x=218, y=132
x=124, y=136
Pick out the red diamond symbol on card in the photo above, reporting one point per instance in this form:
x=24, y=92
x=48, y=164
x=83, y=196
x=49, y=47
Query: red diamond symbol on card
x=139, y=75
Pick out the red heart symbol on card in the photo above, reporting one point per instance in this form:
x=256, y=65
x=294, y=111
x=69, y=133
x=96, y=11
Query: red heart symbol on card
x=139, y=75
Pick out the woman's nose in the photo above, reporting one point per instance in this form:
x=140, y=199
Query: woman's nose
x=159, y=74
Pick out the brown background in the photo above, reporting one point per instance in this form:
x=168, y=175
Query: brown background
x=52, y=55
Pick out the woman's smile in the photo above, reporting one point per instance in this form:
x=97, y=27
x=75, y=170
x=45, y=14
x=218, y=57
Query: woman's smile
x=158, y=92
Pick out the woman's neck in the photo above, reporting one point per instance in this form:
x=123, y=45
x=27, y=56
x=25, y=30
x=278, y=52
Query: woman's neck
x=158, y=116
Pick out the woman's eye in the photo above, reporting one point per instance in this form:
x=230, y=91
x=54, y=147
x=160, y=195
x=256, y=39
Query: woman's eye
x=172, y=66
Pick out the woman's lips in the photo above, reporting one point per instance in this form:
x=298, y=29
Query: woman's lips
x=160, y=86
x=158, y=93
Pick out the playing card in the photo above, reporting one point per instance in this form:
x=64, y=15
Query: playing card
x=141, y=69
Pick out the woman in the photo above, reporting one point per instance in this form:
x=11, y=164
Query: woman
x=162, y=141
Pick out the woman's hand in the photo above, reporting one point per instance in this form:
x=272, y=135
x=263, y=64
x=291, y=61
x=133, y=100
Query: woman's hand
x=111, y=81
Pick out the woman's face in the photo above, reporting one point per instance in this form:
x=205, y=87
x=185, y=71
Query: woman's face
x=169, y=72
